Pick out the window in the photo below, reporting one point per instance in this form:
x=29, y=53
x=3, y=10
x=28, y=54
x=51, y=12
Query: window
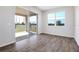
x=51, y=19
x=19, y=19
x=33, y=19
x=60, y=17
x=56, y=18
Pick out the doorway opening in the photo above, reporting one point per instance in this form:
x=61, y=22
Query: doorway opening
x=26, y=24
x=20, y=25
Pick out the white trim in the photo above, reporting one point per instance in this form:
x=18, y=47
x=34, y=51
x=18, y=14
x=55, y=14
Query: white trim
x=7, y=44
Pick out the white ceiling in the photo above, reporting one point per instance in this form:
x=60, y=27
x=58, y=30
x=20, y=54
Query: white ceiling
x=43, y=8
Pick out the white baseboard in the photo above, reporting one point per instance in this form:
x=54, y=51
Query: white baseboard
x=7, y=44
x=60, y=35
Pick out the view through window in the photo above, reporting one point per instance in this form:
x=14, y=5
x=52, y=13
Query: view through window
x=20, y=23
x=57, y=18
x=33, y=23
x=51, y=19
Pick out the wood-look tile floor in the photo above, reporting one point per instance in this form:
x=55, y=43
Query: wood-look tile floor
x=43, y=43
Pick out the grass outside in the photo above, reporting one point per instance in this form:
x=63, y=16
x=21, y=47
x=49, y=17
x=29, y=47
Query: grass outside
x=20, y=28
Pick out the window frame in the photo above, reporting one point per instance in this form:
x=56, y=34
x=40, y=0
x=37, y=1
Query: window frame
x=56, y=19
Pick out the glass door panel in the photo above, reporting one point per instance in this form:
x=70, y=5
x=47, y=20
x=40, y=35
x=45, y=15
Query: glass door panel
x=33, y=24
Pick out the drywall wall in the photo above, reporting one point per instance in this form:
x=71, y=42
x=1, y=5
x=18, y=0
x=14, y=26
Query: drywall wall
x=37, y=11
x=66, y=30
x=77, y=24
x=7, y=25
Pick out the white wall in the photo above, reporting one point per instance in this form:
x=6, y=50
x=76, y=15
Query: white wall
x=77, y=24
x=67, y=30
x=7, y=26
x=37, y=11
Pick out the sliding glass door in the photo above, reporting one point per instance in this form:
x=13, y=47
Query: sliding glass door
x=25, y=26
x=33, y=24
x=20, y=25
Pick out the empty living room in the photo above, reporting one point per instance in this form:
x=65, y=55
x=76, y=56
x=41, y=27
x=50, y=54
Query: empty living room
x=39, y=28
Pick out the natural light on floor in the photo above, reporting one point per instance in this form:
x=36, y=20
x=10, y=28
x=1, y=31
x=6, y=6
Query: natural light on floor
x=21, y=34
